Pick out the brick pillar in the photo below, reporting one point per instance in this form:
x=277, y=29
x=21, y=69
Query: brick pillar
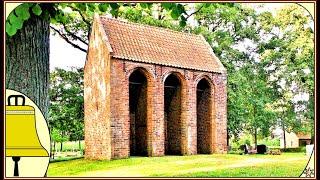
x=191, y=119
x=120, y=120
x=221, y=113
x=158, y=114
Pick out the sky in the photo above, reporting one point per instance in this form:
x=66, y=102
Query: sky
x=63, y=55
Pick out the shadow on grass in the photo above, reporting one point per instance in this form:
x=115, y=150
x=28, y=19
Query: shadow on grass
x=65, y=159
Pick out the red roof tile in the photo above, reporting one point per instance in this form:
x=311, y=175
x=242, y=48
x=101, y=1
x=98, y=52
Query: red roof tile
x=162, y=46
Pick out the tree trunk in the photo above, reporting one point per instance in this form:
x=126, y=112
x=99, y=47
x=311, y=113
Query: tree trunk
x=284, y=137
x=51, y=150
x=27, y=61
x=255, y=138
x=54, y=149
x=61, y=146
x=79, y=145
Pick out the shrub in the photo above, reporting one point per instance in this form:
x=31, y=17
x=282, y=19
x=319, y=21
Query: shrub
x=275, y=142
x=298, y=149
x=235, y=151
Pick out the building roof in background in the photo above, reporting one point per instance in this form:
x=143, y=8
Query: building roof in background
x=303, y=136
x=149, y=44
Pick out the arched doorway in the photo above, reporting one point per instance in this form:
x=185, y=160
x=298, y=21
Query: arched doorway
x=172, y=115
x=204, y=117
x=138, y=85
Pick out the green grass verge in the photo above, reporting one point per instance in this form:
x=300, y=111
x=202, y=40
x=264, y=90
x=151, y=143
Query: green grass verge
x=216, y=165
x=64, y=159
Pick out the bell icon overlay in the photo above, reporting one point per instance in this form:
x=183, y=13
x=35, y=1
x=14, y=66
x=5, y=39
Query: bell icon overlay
x=21, y=134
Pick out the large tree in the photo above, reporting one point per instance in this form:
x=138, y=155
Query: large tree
x=27, y=52
x=27, y=40
x=288, y=51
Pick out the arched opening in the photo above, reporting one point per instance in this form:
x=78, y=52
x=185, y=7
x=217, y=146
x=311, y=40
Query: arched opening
x=172, y=115
x=204, y=108
x=138, y=113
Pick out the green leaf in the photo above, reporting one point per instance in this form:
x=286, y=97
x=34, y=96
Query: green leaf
x=167, y=6
x=103, y=7
x=36, y=10
x=114, y=12
x=149, y=5
x=15, y=21
x=144, y=5
x=91, y=7
x=180, y=8
x=81, y=6
x=10, y=29
x=206, y=5
x=61, y=18
x=175, y=14
x=182, y=23
x=114, y=6
x=22, y=11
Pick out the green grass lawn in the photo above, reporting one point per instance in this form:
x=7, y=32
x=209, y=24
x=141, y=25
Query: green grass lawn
x=216, y=165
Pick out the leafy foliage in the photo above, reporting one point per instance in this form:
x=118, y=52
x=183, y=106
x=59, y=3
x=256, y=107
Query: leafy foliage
x=289, y=58
x=66, y=109
x=16, y=18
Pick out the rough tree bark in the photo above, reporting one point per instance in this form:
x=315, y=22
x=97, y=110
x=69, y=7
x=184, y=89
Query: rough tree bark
x=27, y=61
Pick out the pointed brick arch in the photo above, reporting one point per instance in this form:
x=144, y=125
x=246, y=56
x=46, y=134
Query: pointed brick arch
x=140, y=112
x=206, y=119
x=174, y=113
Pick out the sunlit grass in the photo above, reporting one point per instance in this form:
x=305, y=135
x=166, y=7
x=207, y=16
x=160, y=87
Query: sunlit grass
x=216, y=165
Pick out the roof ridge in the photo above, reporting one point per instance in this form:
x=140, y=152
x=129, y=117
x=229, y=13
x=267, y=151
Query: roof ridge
x=147, y=25
x=159, y=45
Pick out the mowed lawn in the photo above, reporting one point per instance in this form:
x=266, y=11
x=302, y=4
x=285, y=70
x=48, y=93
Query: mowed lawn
x=216, y=165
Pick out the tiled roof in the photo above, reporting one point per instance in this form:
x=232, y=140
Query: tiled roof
x=143, y=43
x=303, y=136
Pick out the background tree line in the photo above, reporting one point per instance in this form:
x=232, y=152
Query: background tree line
x=269, y=57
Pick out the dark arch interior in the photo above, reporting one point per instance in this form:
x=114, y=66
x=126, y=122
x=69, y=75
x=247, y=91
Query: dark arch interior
x=138, y=113
x=203, y=117
x=172, y=115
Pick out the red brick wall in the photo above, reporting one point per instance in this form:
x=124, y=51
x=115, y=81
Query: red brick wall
x=220, y=125
x=156, y=75
x=107, y=112
x=97, y=98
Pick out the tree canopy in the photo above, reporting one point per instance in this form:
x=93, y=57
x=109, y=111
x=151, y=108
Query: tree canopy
x=269, y=57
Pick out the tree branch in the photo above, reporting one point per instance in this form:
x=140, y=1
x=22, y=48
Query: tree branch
x=189, y=15
x=68, y=41
x=74, y=36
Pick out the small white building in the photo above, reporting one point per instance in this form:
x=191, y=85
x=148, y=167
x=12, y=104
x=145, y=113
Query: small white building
x=294, y=140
